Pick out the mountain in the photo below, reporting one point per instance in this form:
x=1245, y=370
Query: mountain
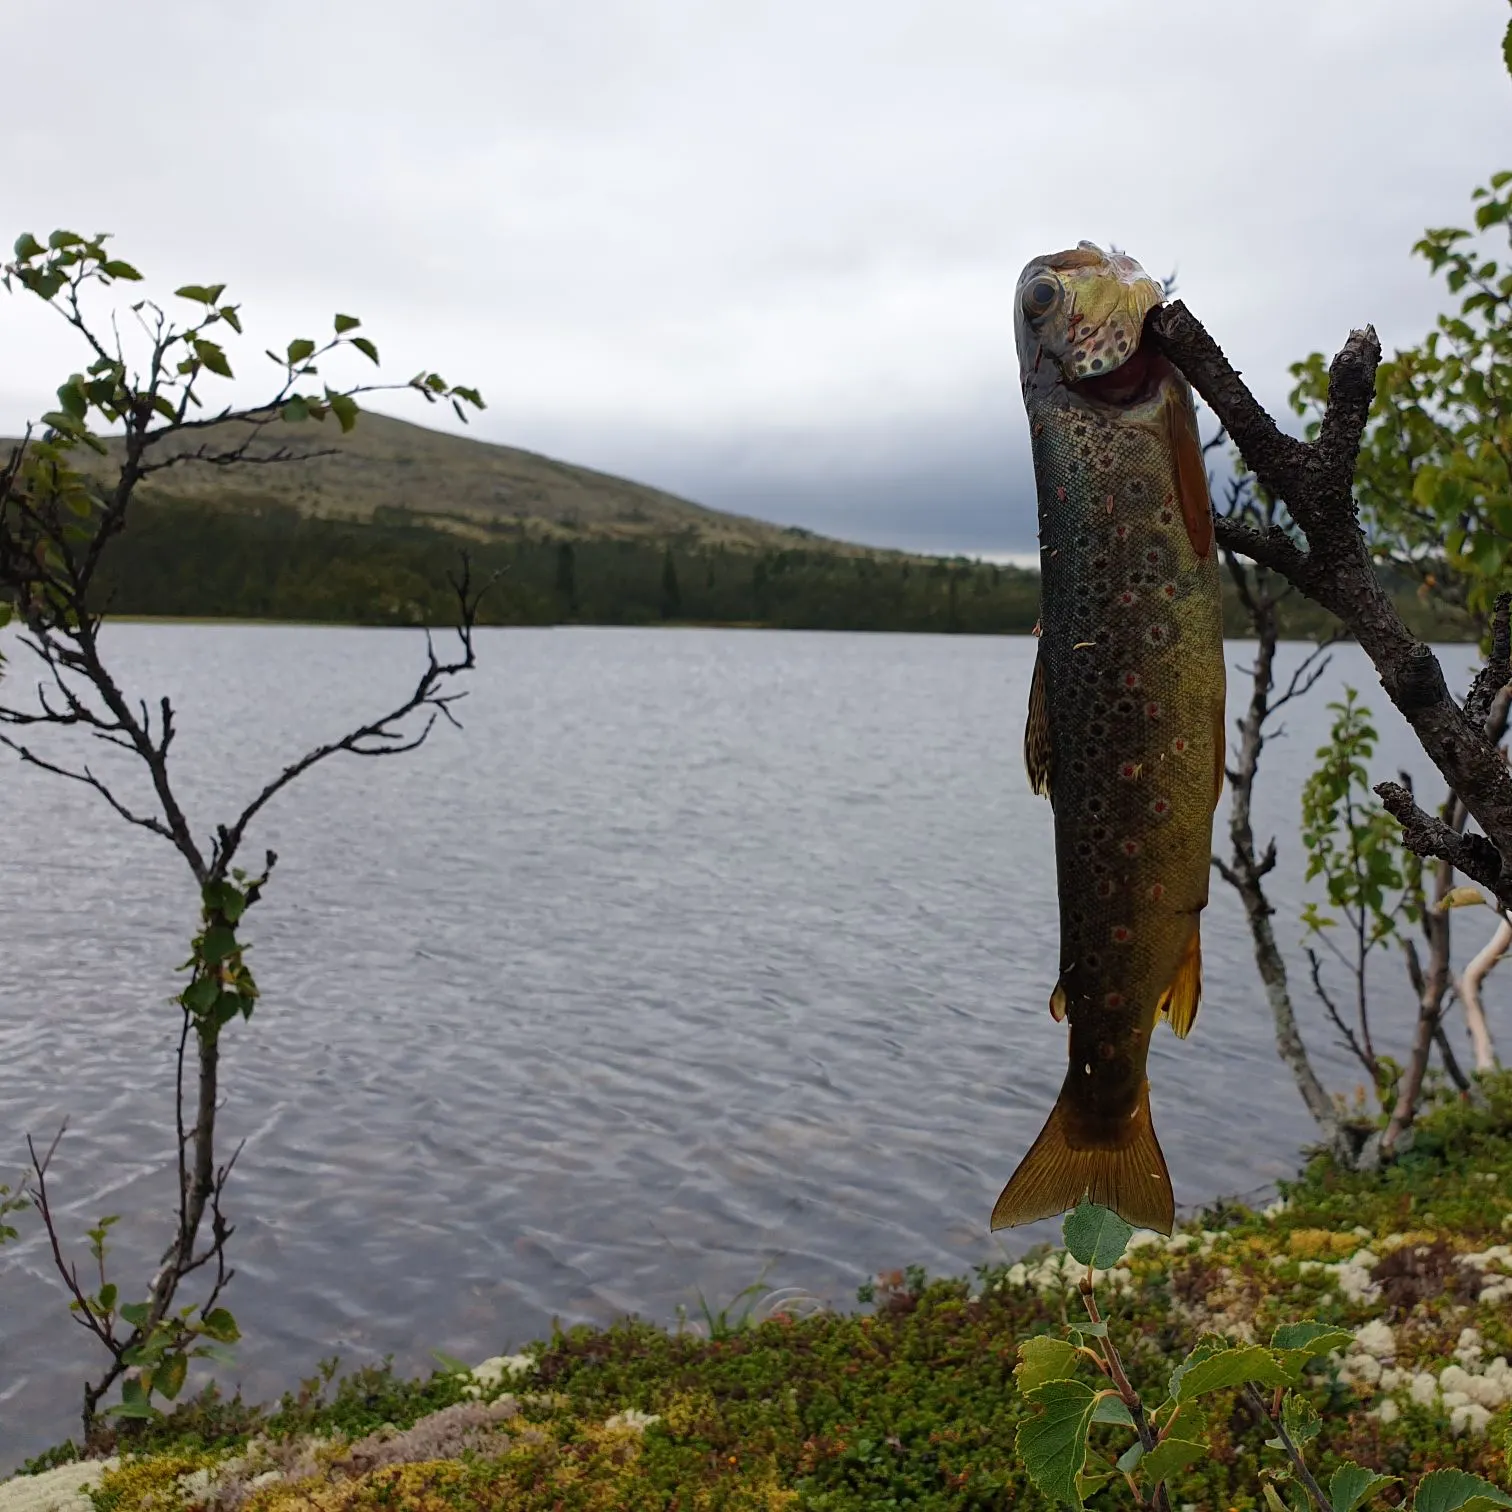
x=391, y=470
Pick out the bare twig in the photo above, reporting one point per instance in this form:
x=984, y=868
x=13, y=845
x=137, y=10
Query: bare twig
x=1346, y=1034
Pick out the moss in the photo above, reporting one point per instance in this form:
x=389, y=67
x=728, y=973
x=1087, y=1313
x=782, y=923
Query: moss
x=913, y=1404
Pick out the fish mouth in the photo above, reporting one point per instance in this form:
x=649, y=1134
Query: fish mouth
x=1135, y=381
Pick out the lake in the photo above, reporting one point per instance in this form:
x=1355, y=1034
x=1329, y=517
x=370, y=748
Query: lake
x=697, y=956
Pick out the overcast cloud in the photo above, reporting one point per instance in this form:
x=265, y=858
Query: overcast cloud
x=761, y=254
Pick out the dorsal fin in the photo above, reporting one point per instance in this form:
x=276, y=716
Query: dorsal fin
x=1037, y=732
x=1191, y=472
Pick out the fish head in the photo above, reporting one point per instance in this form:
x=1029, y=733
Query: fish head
x=1079, y=318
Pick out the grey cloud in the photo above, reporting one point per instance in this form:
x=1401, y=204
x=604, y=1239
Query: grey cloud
x=763, y=255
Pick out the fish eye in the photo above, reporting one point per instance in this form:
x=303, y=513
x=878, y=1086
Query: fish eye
x=1040, y=296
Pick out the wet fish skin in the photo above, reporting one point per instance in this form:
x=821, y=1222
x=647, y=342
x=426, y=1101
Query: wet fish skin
x=1126, y=727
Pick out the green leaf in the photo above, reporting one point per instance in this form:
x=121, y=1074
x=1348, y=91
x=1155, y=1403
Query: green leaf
x=1232, y=1367
x=346, y=323
x=1352, y=1484
x=232, y=319
x=60, y=239
x=1204, y=1349
x=1053, y=1444
x=170, y=1377
x=1043, y=1358
x=116, y=268
x=212, y=356
x=296, y=410
x=197, y=292
x=1110, y=1409
x=218, y=1324
x=216, y=944
x=345, y=409
x=367, y=349
x=300, y=350
x=1457, y=1491
x=199, y=996
x=107, y=1298
x=1300, y=1419
x=133, y=1403
x=71, y=397
x=1095, y=1236
x=136, y=1313
x=1130, y=1458
x=1507, y=47
x=1170, y=1456
x=27, y=246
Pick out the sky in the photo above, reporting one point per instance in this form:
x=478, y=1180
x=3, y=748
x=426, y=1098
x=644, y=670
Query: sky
x=761, y=255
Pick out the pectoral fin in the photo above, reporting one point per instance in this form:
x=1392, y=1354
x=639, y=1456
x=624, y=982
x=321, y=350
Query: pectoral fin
x=1191, y=471
x=1037, y=733
x=1058, y=1003
x=1178, y=1003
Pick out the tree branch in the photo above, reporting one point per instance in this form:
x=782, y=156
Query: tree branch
x=1335, y=570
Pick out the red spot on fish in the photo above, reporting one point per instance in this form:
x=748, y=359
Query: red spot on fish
x=1114, y=1000
x=1127, y=597
x=1122, y=934
x=1161, y=807
x=1152, y=710
x=1166, y=516
x=1157, y=891
x=1128, y=771
x=1157, y=635
x=1179, y=745
x=1168, y=590
x=1130, y=847
x=1131, y=680
x=1122, y=532
x=1152, y=557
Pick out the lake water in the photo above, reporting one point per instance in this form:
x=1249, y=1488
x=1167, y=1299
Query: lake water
x=695, y=954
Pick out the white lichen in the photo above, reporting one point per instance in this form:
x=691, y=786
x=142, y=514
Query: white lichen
x=494, y=1372
x=65, y=1489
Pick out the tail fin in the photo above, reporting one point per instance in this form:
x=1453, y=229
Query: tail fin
x=1059, y=1172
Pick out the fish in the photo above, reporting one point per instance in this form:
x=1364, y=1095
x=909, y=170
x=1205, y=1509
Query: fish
x=1125, y=731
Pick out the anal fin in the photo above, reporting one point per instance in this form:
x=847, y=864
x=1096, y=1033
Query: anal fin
x=1178, y=1003
x=1037, y=732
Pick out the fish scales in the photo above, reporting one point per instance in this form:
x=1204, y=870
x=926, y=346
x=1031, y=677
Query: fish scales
x=1126, y=718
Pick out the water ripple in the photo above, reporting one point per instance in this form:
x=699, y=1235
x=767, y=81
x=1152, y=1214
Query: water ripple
x=697, y=953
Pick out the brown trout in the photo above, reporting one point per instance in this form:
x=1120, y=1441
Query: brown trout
x=1126, y=717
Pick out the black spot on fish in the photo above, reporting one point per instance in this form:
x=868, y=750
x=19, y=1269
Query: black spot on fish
x=1097, y=364
x=1094, y=805
x=1097, y=728
x=1083, y=848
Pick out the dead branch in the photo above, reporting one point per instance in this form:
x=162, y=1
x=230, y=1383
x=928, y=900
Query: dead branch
x=1335, y=570
x=1471, y=980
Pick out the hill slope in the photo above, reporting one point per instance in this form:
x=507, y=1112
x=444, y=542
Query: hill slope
x=388, y=469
